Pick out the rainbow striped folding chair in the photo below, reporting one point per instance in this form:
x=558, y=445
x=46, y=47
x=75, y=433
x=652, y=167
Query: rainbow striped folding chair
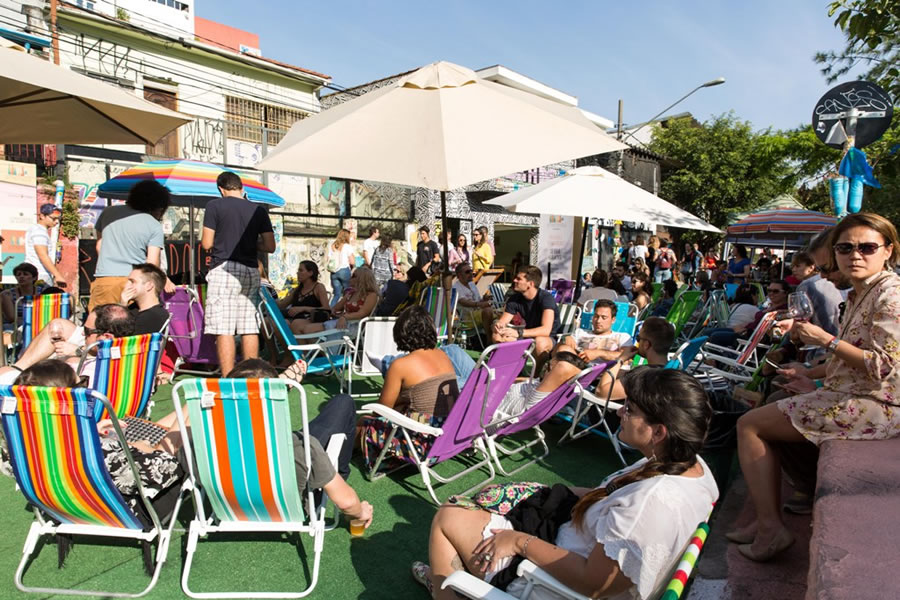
x=37, y=312
x=441, y=308
x=125, y=372
x=242, y=443
x=58, y=464
x=687, y=563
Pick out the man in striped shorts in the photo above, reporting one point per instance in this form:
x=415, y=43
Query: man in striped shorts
x=234, y=230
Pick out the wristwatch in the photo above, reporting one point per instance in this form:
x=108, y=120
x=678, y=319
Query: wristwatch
x=833, y=344
x=521, y=333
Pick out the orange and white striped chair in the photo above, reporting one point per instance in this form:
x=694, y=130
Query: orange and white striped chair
x=243, y=462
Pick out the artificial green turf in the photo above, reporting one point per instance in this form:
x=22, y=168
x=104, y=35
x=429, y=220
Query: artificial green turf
x=373, y=567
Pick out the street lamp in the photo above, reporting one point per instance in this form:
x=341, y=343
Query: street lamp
x=712, y=83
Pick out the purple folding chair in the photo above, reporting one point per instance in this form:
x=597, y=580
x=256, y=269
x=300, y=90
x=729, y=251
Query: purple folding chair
x=565, y=290
x=537, y=414
x=186, y=332
x=464, y=428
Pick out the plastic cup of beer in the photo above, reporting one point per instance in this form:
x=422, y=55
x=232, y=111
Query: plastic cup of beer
x=357, y=527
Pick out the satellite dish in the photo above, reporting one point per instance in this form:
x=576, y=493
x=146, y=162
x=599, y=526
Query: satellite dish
x=858, y=105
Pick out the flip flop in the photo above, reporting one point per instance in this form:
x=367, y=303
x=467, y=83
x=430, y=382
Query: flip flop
x=420, y=572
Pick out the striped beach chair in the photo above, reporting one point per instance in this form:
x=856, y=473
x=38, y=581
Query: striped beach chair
x=498, y=295
x=58, y=464
x=569, y=319
x=441, y=305
x=243, y=463
x=37, y=312
x=687, y=563
x=125, y=372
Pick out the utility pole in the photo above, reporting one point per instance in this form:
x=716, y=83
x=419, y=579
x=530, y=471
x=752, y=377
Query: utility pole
x=54, y=32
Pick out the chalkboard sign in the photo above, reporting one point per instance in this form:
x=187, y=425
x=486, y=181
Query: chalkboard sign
x=177, y=254
x=874, y=111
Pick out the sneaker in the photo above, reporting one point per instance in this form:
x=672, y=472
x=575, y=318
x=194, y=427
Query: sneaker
x=799, y=504
x=420, y=572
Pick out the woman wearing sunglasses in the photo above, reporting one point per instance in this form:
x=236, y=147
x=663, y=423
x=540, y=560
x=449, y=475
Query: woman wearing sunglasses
x=859, y=398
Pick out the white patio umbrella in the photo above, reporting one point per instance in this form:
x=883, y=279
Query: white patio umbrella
x=441, y=127
x=594, y=192
x=42, y=103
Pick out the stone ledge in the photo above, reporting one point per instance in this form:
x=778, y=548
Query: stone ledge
x=853, y=552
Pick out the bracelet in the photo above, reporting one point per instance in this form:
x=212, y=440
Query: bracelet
x=832, y=345
x=525, y=546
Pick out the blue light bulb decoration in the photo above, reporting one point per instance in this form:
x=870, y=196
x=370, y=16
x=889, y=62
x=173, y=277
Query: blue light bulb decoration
x=838, y=195
x=855, y=197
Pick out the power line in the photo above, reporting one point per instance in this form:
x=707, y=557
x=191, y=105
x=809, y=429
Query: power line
x=288, y=101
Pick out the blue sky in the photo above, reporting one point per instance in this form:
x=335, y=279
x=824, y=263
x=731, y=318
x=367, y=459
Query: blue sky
x=646, y=52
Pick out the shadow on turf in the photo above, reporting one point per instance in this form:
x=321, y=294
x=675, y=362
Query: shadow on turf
x=382, y=561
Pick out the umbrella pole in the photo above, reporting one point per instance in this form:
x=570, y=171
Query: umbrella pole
x=446, y=263
x=584, y=228
x=191, y=243
x=783, y=256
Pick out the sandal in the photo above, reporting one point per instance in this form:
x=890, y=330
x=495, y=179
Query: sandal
x=420, y=572
x=295, y=372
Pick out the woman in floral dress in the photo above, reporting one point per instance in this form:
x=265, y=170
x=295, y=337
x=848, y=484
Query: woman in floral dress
x=859, y=398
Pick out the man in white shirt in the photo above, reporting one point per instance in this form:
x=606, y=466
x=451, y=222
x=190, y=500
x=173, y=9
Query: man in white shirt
x=470, y=301
x=601, y=342
x=371, y=244
x=37, y=245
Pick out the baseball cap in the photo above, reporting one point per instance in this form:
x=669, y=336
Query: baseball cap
x=49, y=208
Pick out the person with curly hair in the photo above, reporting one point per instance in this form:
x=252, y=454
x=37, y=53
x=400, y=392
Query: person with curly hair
x=422, y=385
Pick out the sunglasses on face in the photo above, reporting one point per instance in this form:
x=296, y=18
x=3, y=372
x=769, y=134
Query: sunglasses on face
x=91, y=331
x=865, y=248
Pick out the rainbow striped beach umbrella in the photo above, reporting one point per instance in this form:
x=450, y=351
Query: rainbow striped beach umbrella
x=190, y=182
x=782, y=221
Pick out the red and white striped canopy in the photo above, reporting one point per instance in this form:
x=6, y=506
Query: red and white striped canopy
x=782, y=221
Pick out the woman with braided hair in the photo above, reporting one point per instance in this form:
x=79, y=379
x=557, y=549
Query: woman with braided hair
x=619, y=540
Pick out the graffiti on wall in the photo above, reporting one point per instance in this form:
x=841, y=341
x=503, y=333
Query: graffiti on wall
x=204, y=140
x=86, y=177
x=107, y=58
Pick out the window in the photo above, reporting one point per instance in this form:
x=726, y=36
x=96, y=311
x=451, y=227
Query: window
x=246, y=119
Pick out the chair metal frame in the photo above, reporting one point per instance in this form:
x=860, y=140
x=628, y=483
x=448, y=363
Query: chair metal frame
x=498, y=436
x=205, y=523
x=325, y=352
x=483, y=392
x=48, y=524
x=360, y=364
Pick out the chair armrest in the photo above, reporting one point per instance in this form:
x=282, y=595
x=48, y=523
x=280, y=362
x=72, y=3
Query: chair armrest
x=399, y=419
x=335, y=442
x=472, y=587
x=541, y=578
x=590, y=397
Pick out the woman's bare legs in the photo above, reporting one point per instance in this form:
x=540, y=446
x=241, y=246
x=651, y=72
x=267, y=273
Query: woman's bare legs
x=454, y=534
x=297, y=325
x=762, y=468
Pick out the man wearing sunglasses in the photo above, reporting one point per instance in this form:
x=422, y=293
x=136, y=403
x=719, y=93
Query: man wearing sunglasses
x=62, y=339
x=37, y=245
x=470, y=299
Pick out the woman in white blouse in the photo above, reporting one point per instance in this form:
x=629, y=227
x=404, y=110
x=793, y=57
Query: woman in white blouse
x=624, y=537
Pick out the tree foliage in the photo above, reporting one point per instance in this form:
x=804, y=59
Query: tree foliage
x=872, y=28
x=723, y=166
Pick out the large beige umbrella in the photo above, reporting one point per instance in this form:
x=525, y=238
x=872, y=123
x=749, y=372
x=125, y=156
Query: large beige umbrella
x=441, y=127
x=42, y=103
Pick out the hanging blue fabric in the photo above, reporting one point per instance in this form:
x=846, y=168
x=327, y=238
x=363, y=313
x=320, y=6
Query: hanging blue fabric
x=854, y=164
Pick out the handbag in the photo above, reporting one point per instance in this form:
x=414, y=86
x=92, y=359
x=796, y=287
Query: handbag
x=498, y=498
